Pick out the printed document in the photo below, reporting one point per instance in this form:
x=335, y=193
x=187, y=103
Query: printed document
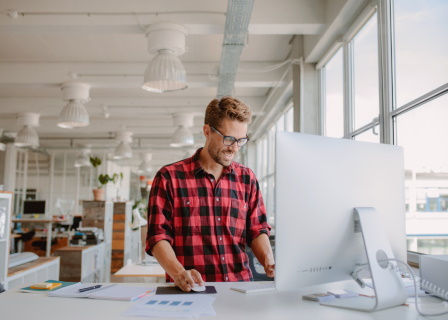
x=170, y=306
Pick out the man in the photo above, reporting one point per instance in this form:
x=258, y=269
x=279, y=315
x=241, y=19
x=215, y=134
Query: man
x=204, y=210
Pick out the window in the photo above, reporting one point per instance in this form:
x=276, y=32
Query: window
x=333, y=80
x=420, y=47
x=265, y=160
x=410, y=111
x=365, y=74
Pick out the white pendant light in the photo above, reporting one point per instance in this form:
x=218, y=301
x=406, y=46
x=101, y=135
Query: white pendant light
x=123, y=150
x=165, y=73
x=27, y=136
x=83, y=159
x=145, y=167
x=182, y=136
x=74, y=114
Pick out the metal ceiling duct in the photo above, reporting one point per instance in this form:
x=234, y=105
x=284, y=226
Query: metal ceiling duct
x=235, y=34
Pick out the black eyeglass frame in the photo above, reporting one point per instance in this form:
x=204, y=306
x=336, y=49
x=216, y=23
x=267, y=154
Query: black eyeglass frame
x=233, y=139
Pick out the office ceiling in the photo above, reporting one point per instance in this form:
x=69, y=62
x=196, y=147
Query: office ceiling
x=45, y=43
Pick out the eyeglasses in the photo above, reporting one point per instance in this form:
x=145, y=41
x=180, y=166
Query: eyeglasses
x=228, y=140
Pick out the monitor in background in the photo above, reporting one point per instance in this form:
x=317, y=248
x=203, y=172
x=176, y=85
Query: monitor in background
x=34, y=207
x=319, y=182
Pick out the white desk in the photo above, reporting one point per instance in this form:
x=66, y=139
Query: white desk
x=136, y=270
x=229, y=304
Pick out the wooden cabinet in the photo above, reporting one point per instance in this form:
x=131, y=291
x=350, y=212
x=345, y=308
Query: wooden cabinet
x=40, y=270
x=99, y=214
x=5, y=229
x=85, y=264
x=124, y=239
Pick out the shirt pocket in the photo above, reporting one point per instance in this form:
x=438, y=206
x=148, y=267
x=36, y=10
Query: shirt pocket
x=186, y=217
x=238, y=215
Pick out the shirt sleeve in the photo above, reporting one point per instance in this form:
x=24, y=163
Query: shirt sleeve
x=160, y=209
x=256, y=216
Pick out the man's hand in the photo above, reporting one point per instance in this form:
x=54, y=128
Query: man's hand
x=187, y=279
x=270, y=270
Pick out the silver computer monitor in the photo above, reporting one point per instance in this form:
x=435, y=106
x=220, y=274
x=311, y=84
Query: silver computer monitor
x=319, y=182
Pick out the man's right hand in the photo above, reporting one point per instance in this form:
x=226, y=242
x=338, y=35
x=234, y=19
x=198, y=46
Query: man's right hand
x=187, y=279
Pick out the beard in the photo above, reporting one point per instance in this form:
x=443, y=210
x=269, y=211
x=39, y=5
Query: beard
x=219, y=157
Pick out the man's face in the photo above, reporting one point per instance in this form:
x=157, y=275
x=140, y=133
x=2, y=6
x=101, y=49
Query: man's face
x=219, y=152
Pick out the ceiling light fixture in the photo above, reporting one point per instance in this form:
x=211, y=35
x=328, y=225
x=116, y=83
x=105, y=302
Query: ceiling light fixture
x=123, y=150
x=27, y=136
x=165, y=72
x=83, y=159
x=74, y=114
x=145, y=167
x=182, y=136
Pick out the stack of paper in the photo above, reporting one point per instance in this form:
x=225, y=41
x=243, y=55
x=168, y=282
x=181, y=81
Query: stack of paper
x=110, y=292
x=173, y=306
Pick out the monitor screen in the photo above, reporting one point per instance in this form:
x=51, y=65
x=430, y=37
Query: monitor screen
x=34, y=206
x=319, y=182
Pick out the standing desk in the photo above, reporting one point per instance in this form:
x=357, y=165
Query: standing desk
x=229, y=304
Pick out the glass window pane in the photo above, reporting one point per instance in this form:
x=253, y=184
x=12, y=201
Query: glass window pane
x=334, y=97
x=422, y=133
x=421, y=47
x=366, y=92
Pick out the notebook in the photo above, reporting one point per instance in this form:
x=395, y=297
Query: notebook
x=56, y=285
x=110, y=292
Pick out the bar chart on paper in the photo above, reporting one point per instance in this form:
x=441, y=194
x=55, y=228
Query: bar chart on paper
x=173, y=306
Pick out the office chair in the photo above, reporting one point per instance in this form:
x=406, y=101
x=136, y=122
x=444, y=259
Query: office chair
x=24, y=237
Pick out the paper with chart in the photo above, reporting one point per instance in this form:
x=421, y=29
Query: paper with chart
x=179, y=306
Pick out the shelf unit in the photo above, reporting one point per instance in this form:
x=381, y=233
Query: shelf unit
x=5, y=230
x=85, y=263
x=124, y=239
x=100, y=214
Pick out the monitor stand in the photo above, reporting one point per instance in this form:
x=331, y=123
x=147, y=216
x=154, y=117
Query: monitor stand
x=388, y=287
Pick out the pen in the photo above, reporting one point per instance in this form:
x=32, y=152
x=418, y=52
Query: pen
x=89, y=288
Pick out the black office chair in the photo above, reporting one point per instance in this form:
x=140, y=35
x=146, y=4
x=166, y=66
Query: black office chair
x=258, y=276
x=24, y=237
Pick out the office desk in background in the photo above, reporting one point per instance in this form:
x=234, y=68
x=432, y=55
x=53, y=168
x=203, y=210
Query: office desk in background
x=48, y=225
x=136, y=270
x=229, y=304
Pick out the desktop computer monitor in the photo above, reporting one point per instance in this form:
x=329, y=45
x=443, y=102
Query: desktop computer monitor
x=34, y=206
x=319, y=182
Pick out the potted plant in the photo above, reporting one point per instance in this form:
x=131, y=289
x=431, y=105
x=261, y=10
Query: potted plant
x=103, y=179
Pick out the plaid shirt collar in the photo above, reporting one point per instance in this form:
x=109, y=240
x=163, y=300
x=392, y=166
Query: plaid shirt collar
x=196, y=166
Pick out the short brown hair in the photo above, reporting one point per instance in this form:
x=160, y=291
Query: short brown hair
x=227, y=108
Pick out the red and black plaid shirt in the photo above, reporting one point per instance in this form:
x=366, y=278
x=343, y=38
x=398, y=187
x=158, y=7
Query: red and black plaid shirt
x=208, y=224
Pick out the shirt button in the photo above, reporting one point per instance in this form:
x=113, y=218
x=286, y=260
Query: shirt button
x=219, y=219
x=188, y=202
x=217, y=199
x=222, y=258
x=227, y=278
x=220, y=238
x=212, y=180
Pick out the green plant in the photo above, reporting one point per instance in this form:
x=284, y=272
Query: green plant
x=105, y=179
x=95, y=161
